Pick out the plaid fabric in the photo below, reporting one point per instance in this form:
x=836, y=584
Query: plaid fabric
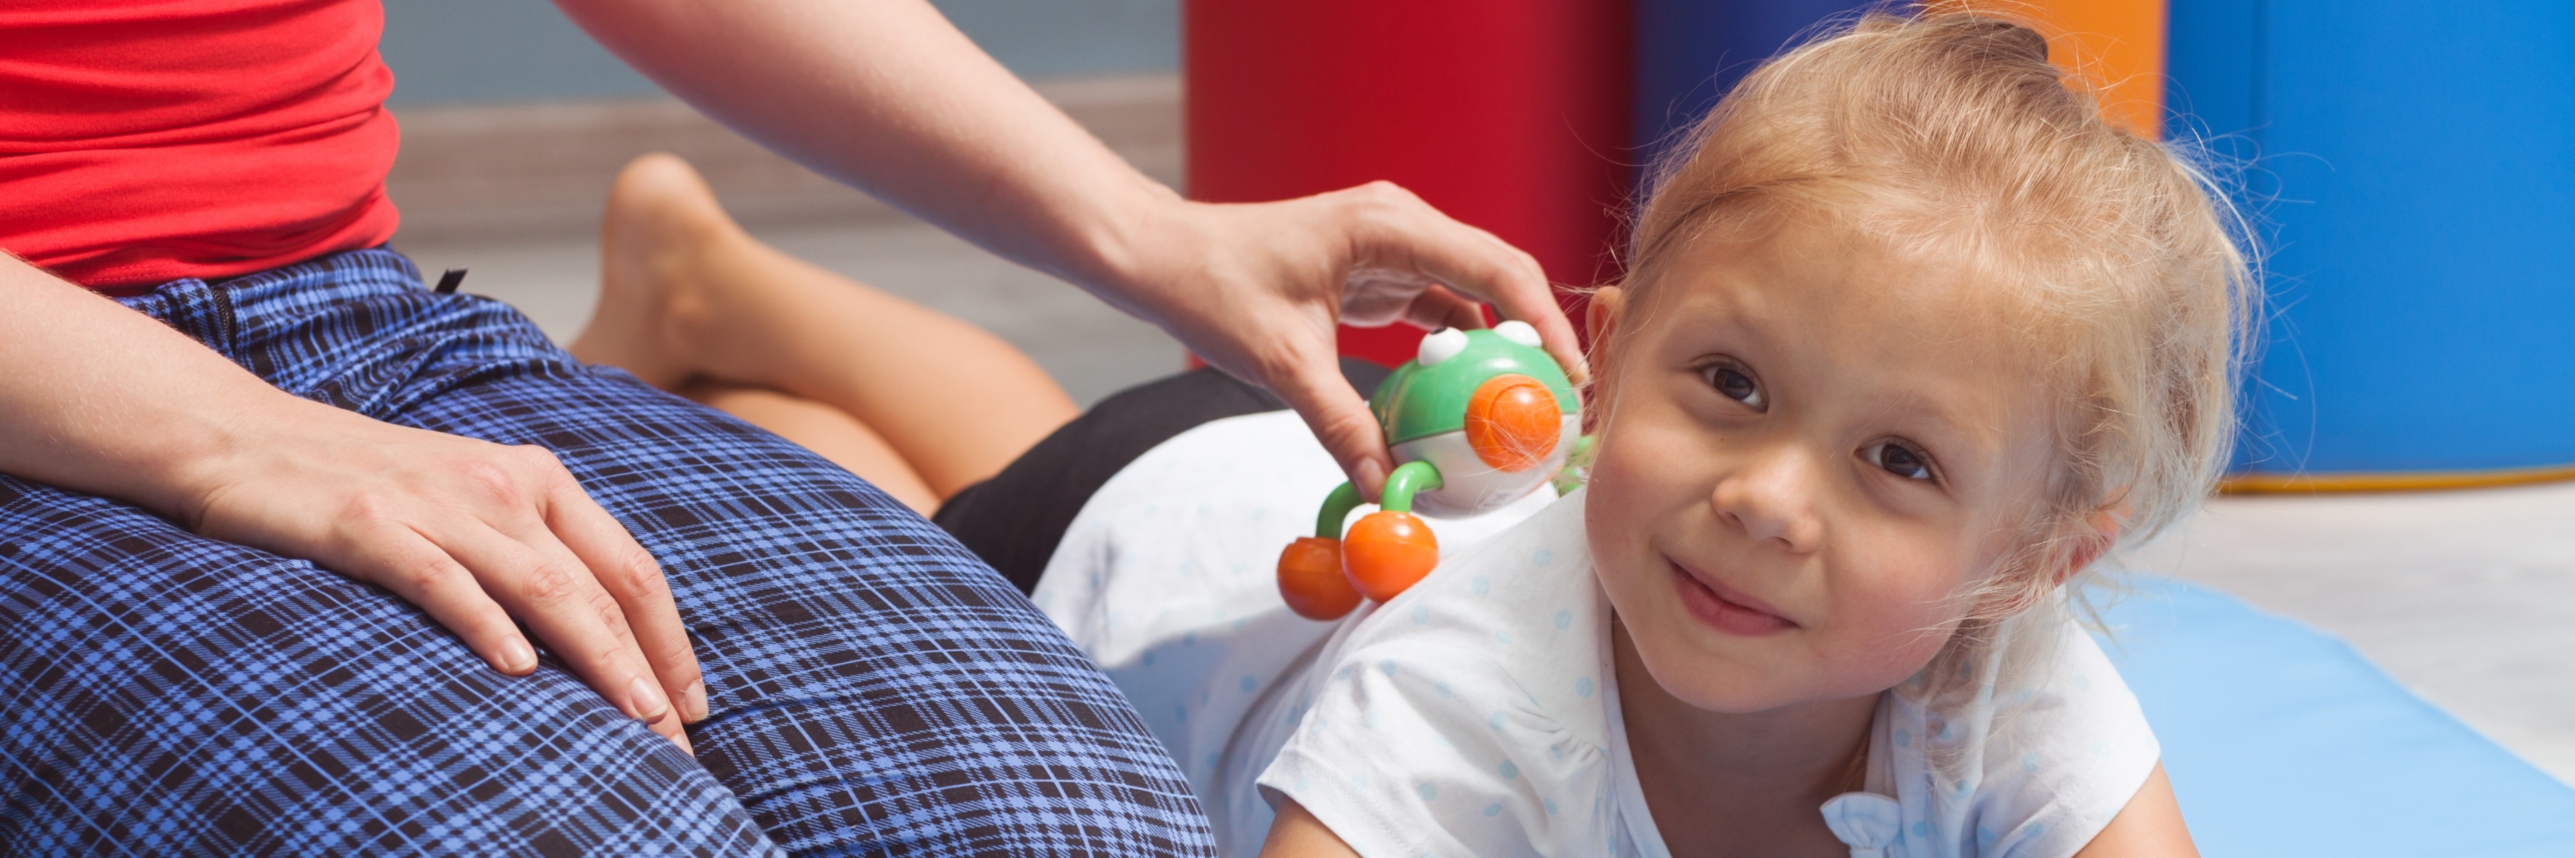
x=874, y=687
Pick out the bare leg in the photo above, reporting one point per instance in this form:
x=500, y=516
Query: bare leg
x=686, y=296
x=823, y=429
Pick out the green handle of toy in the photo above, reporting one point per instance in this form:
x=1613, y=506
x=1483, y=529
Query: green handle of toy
x=1577, y=469
x=1410, y=479
x=1336, y=509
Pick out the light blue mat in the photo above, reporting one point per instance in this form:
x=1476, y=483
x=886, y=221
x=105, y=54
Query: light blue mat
x=2284, y=741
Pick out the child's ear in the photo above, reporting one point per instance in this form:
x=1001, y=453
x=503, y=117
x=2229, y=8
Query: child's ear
x=1600, y=320
x=1600, y=317
x=2100, y=530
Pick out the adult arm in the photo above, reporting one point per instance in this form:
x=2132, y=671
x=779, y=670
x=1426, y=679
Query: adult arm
x=887, y=96
x=100, y=399
x=2149, y=827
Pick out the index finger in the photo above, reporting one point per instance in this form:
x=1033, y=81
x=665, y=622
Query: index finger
x=540, y=582
x=1339, y=418
x=635, y=580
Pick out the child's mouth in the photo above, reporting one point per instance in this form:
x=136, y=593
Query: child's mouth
x=1723, y=608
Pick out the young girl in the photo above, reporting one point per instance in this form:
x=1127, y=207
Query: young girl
x=1910, y=340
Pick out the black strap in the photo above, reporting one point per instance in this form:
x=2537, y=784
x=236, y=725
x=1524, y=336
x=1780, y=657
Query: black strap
x=1014, y=520
x=448, y=282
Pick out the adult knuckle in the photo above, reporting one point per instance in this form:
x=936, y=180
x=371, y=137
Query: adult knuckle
x=538, y=460
x=1279, y=369
x=422, y=576
x=493, y=481
x=368, y=510
x=548, y=584
x=636, y=568
x=684, y=670
x=1349, y=427
x=609, y=652
x=612, y=616
x=1400, y=201
x=370, y=525
x=1369, y=199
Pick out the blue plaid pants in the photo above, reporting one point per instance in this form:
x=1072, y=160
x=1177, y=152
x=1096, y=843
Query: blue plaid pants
x=874, y=688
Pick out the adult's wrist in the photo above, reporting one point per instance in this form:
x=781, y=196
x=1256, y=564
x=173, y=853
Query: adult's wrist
x=1128, y=253
x=228, y=434
x=100, y=399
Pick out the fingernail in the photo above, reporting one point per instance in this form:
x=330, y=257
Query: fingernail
x=647, y=700
x=682, y=741
x=693, y=702
x=516, y=657
x=1371, y=475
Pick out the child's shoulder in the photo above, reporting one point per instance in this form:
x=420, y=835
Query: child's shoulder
x=1523, y=602
x=2029, y=753
x=1471, y=715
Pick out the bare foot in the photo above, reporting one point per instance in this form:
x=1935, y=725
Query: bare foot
x=661, y=222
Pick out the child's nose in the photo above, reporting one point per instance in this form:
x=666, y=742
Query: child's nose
x=1772, y=497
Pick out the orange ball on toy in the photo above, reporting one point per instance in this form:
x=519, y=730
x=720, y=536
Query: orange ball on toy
x=1512, y=422
x=1311, y=580
x=1386, y=552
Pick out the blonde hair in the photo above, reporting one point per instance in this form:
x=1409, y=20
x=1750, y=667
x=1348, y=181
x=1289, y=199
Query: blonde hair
x=2117, y=258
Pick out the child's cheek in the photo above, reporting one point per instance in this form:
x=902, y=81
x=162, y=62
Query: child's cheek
x=1899, y=651
x=1894, y=626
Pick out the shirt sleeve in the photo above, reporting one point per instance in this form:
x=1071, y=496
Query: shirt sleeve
x=1432, y=750
x=2068, y=755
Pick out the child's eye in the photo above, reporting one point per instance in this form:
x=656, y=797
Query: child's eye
x=1737, y=385
x=1896, y=458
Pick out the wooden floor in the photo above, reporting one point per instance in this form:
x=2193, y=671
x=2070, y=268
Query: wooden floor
x=2467, y=597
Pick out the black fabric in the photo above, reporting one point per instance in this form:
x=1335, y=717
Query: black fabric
x=1014, y=520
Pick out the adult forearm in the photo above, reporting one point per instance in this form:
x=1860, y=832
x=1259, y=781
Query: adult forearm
x=887, y=96
x=98, y=398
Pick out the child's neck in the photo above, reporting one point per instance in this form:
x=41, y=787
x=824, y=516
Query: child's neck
x=1750, y=784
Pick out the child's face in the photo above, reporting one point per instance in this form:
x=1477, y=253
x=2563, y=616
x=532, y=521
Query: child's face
x=1813, y=448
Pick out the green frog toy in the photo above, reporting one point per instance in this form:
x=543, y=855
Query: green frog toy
x=1477, y=420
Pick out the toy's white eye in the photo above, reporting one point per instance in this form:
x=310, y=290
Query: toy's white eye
x=1519, y=332
x=1441, y=345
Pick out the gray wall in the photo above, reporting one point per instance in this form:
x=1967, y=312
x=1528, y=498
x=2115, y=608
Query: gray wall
x=525, y=50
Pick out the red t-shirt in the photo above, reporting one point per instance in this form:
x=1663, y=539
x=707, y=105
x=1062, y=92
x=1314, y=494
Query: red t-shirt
x=148, y=140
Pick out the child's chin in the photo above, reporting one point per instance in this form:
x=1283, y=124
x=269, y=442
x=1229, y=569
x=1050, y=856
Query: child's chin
x=1709, y=684
x=1739, y=697
x=1750, y=683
